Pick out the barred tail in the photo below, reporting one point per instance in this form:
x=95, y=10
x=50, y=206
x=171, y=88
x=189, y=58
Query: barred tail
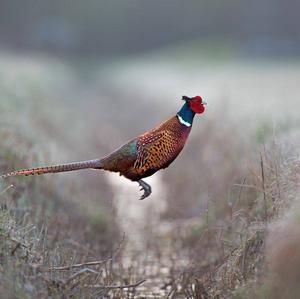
x=54, y=169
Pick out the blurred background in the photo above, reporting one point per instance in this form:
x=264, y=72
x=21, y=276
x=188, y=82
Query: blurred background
x=104, y=30
x=79, y=78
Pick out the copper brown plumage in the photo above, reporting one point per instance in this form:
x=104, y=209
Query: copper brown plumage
x=143, y=155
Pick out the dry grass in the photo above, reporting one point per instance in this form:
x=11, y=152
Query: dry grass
x=226, y=249
x=38, y=236
x=60, y=236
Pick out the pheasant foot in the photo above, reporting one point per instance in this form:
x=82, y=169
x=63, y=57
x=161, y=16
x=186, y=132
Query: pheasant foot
x=146, y=188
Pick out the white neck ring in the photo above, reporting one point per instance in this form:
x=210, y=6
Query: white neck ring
x=182, y=121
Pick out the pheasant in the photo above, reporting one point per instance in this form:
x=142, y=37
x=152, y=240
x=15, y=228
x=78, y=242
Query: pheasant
x=142, y=156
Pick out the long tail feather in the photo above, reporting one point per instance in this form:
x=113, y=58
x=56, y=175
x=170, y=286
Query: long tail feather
x=54, y=169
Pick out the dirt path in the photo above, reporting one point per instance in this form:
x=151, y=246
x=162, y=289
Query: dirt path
x=137, y=218
x=247, y=94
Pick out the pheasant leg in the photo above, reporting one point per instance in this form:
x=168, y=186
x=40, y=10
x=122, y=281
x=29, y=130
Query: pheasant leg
x=146, y=188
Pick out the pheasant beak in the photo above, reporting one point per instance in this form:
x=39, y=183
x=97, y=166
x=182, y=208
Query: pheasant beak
x=204, y=103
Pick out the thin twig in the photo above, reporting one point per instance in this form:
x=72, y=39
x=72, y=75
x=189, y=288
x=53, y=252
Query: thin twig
x=18, y=245
x=79, y=265
x=95, y=263
x=120, y=287
x=6, y=189
x=18, y=242
x=263, y=186
x=79, y=273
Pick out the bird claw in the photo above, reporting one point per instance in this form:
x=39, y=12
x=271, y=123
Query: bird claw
x=146, y=188
x=146, y=194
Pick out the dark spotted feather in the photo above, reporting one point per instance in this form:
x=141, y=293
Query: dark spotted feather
x=159, y=147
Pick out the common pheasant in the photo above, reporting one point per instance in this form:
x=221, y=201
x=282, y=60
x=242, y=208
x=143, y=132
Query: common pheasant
x=142, y=156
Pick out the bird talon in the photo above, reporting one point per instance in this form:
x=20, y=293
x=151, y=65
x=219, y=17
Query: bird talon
x=146, y=188
x=144, y=196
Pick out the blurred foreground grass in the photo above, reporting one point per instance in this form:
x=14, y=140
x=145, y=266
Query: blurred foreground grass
x=215, y=238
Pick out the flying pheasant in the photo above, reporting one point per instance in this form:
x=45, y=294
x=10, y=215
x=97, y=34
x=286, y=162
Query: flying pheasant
x=142, y=156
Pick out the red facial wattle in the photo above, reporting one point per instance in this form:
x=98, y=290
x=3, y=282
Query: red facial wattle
x=196, y=104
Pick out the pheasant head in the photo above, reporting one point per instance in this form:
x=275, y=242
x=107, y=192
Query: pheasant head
x=196, y=104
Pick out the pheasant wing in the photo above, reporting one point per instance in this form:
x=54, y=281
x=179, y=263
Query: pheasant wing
x=156, y=150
